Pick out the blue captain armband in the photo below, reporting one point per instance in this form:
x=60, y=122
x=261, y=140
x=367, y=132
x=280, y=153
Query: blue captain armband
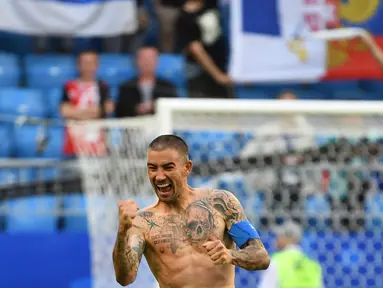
x=242, y=232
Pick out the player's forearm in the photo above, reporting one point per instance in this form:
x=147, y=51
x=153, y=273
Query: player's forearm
x=252, y=257
x=126, y=259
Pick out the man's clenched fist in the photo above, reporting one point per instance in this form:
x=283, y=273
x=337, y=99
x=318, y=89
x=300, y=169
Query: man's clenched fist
x=127, y=211
x=218, y=253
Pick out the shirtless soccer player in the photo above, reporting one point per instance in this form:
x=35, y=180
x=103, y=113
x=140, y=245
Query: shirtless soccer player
x=189, y=236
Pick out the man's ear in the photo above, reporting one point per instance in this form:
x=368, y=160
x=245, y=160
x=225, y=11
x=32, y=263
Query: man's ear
x=188, y=167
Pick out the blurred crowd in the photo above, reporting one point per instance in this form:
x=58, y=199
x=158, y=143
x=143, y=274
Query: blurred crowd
x=191, y=28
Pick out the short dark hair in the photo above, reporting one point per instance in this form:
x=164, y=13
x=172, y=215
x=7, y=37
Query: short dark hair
x=170, y=142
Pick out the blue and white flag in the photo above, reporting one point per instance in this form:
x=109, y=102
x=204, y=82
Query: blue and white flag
x=268, y=40
x=69, y=17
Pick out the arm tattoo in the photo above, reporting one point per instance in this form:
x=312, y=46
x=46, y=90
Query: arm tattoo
x=127, y=254
x=252, y=256
x=229, y=207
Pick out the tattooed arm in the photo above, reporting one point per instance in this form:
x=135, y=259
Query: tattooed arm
x=128, y=251
x=252, y=255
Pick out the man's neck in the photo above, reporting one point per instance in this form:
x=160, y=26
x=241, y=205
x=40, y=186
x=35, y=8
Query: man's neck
x=147, y=78
x=292, y=246
x=182, y=202
x=86, y=79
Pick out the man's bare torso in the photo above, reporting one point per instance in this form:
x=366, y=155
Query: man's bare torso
x=174, y=242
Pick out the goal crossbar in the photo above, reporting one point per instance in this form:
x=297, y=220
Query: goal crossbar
x=269, y=106
x=233, y=113
x=162, y=121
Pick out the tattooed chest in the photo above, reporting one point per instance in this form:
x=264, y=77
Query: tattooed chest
x=168, y=235
x=194, y=227
x=179, y=234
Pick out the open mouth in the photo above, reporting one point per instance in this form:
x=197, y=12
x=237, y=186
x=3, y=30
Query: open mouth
x=164, y=187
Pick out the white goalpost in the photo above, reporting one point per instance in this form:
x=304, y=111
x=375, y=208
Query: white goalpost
x=271, y=154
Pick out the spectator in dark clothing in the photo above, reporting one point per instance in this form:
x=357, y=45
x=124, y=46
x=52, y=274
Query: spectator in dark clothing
x=200, y=37
x=137, y=96
x=167, y=13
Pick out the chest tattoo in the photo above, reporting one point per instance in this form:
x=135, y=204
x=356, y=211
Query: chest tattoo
x=197, y=224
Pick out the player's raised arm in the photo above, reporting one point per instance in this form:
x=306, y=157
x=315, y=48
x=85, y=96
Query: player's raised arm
x=252, y=255
x=130, y=243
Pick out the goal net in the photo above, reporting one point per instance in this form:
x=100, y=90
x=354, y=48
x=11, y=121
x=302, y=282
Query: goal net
x=317, y=163
x=112, y=160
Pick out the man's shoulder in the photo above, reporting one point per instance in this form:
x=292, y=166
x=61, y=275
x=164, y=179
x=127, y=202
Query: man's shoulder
x=103, y=84
x=70, y=84
x=221, y=194
x=162, y=82
x=144, y=216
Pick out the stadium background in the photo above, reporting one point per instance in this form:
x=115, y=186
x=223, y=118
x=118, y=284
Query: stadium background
x=52, y=250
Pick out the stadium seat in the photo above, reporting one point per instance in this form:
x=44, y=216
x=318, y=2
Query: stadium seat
x=212, y=145
x=45, y=173
x=29, y=144
x=197, y=181
x=49, y=71
x=6, y=141
x=16, y=175
x=251, y=92
x=236, y=185
x=311, y=95
x=333, y=86
x=374, y=86
x=54, y=97
x=9, y=70
x=274, y=89
x=19, y=44
x=374, y=210
x=35, y=213
x=54, y=148
x=172, y=68
x=356, y=95
x=318, y=210
x=258, y=202
x=8, y=176
x=74, y=211
x=115, y=69
x=17, y=101
x=26, y=141
x=317, y=204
